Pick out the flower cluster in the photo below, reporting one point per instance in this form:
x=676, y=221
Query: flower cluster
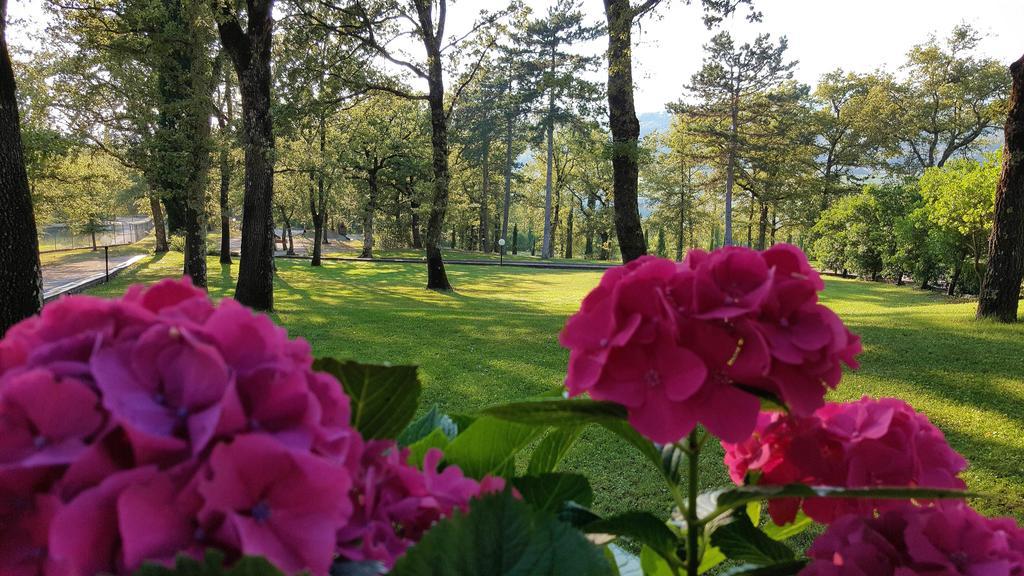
x=136, y=429
x=396, y=503
x=703, y=340
x=861, y=444
x=946, y=540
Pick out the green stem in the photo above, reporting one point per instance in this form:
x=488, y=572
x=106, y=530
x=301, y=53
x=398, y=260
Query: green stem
x=693, y=526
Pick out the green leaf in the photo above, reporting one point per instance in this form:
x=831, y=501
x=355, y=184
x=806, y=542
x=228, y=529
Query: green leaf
x=799, y=524
x=436, y=439
x=578, y=516
x=740, y=495
x=740, y=540
x=383, y=398
x=643, y=527
x=365, y=568
x=211, y=565
x=552, y=449
x=712, y=557
x=552, y=490
x=424, y=425
x=559, y=412
x=502, y=536
x=489, y=446
x=653, y=564
x=788, y=568
x=562, y=413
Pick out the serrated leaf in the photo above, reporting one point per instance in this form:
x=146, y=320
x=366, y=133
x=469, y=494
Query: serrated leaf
x=578, y=412
x=740, y=495
x=558, y=412
x=552, y=490
x=789, y=568
x=436, y=439
x=211, y=565
x=552, y=449
x=799, y=524
x=653, y=564
x=502, y=536
x=740, y=540
x=577, y=515
x=383, y=398
x=489, y=446
x=424, y=425
x=642, y=527
x=366, y=568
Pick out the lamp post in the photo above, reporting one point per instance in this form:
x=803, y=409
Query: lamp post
x=501, y=257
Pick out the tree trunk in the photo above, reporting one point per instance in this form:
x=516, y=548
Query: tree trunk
x=225, y=175
x=604, y=254
x=21, y=284
x=92, y=235
x=417, y=242
x=568, y=234
x=625, y=129
x=547, y=244
x=368, y=210
x=159, y=227
x=250, y=53
x=437, y=279
x=951, y=289
x=762, y=226
x=730, y=168
x=1000, y=290
x=515, y=239
x=198, y=121
x=485, y=198
x=508, y=179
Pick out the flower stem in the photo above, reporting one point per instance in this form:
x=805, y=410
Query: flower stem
x=692, y=521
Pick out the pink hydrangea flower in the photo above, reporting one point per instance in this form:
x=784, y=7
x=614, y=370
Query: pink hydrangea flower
x=701, y=341
x=945, y=540
x=395, y=504
x=856, y=445
x=136, y=429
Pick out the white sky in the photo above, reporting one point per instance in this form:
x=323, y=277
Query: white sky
x=857, y=35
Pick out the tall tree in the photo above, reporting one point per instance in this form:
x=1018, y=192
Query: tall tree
x=564, y=95
x=950, y=99
x=226, y=137
x=724, y=90
x=849, y=134
x=182, y=137
x=249, y=49
x=1001, y=287
x=374, y=25
x=21, y=282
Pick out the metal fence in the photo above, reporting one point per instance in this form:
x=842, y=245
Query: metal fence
x=55, y=237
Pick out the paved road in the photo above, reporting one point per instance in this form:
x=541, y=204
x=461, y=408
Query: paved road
x=60, y=277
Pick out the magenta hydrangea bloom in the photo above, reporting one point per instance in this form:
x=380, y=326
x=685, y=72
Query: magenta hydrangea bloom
x=136, y=429
x=701, y=341
x=855, y=445
x=395, y=503
x=945, y=540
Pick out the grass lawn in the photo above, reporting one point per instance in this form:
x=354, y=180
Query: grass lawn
x=496, y=340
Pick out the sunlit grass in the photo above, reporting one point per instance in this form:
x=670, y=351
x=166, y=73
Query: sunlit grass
x=495, y=340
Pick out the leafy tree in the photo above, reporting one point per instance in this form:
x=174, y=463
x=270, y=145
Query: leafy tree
x=1001, y=287
x=621, y=16
x=20, y=280
x=564, y=95
x=959, y=200
x=848, y=135
x=380, y=134
x=724, y=106
x=950, y=99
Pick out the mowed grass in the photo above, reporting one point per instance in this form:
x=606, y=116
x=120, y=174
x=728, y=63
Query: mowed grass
x=495, y=340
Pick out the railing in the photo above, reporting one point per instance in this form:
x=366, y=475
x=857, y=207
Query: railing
x=60, y=237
